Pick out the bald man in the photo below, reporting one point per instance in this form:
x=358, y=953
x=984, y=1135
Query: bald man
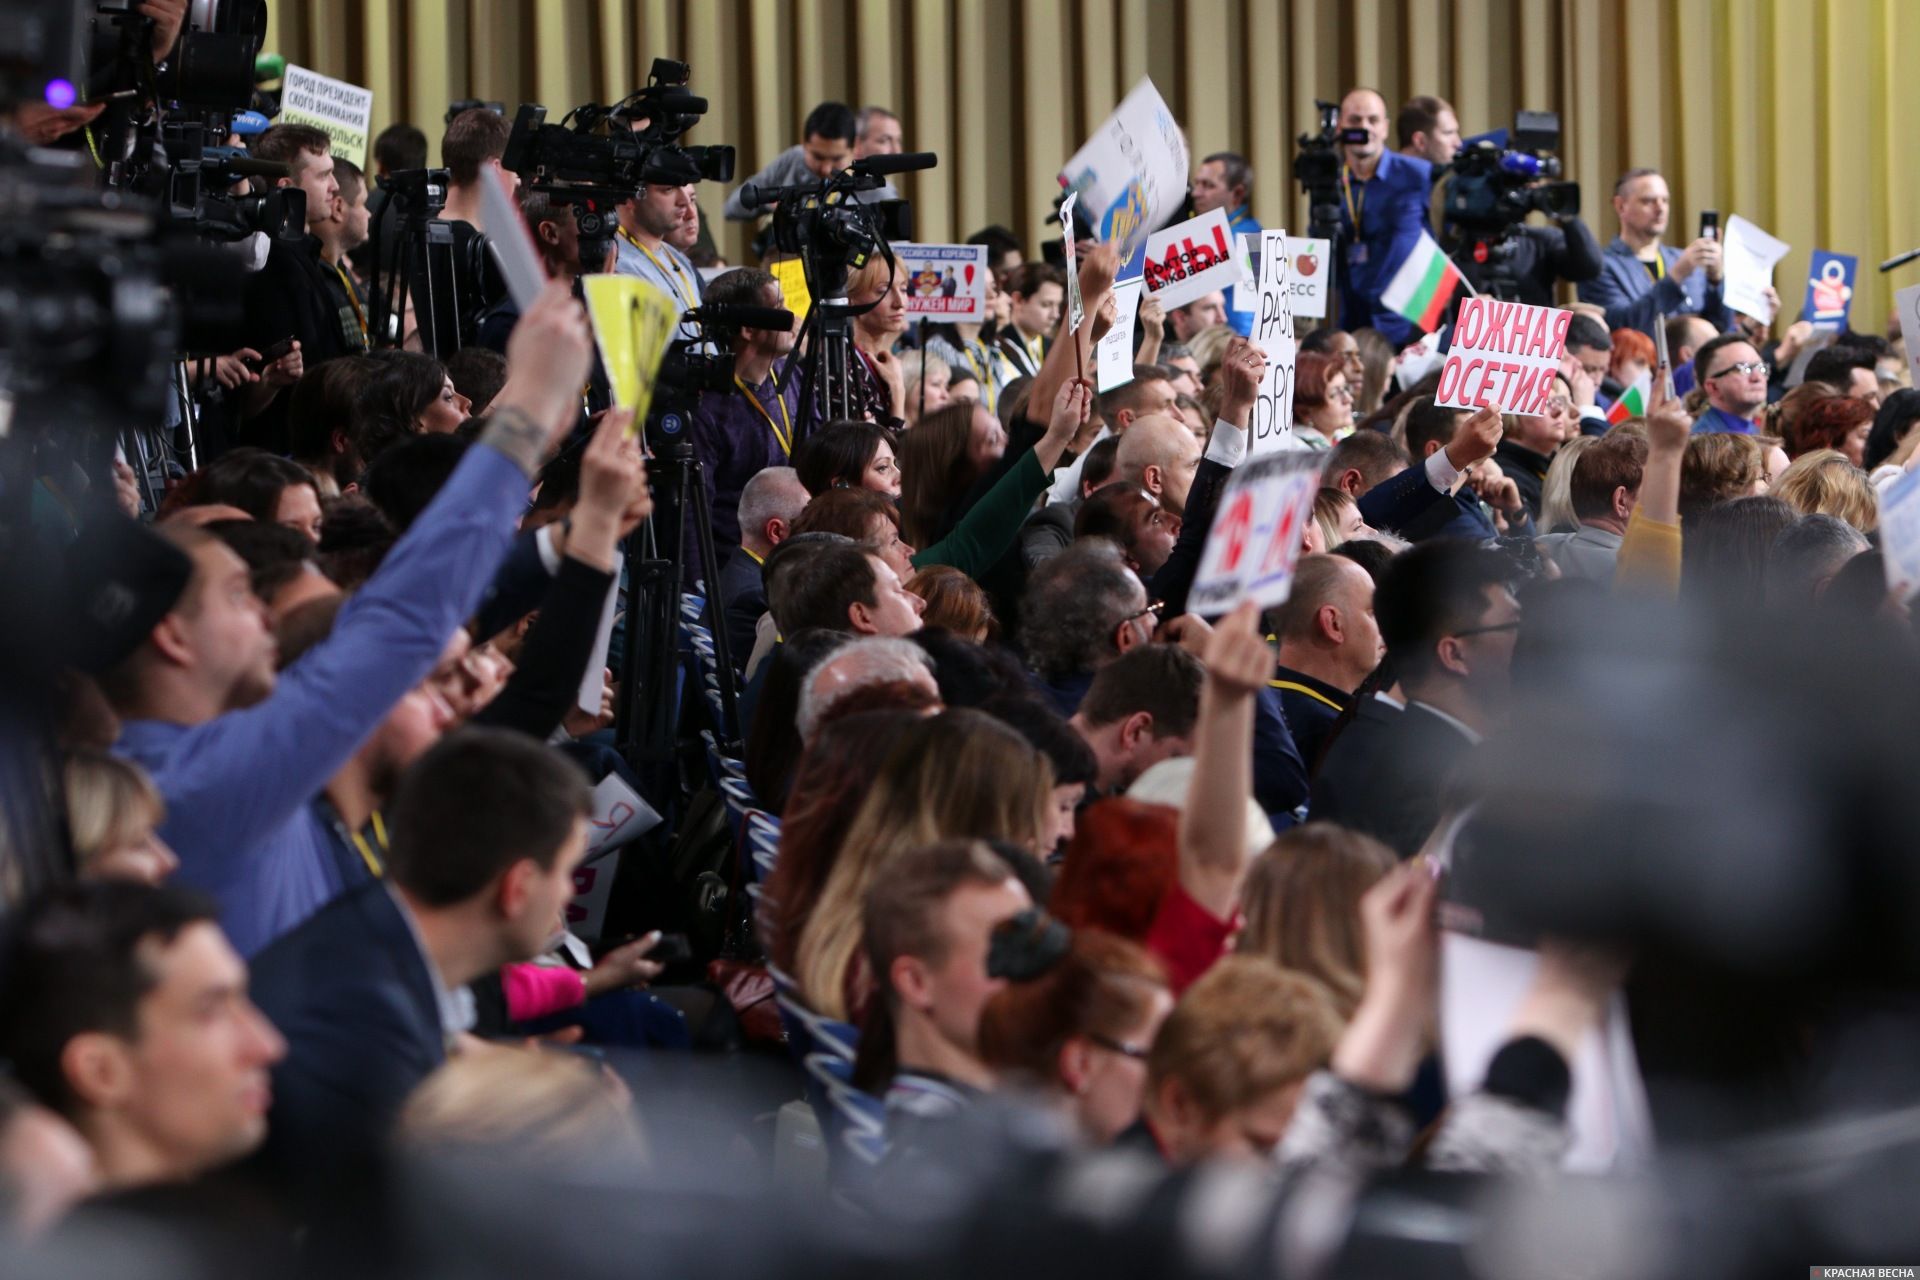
x=1160, y=454
x=1329, y=643
x=1383, y=210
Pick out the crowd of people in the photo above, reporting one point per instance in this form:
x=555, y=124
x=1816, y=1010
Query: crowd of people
x=336, y=716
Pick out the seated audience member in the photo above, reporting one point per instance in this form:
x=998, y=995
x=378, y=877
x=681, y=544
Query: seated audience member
x=1840, y=423
x=126, y=1012
x=855, y=664
x=1074, y=765
x=1604, y=487
x=1726, y=548
x=1036, y=293
x=113, y=811
x=269, y=488
x=843, y=588
x=1336, y=519
x=833, y=777
x=877, y=385
x=1427, y=499
x=940, y=460
x=926, y=929
x=1528, y=443
x=1730, y=370
x=406, y=394
x=1825, y=483
x=1302, y=905
x=1806, y=556
x=1630, y=359
x=927, y=378
x=1556, y=496
x=1784, y=415
x=1160, y=455
x=546, y=1108
x=1719, y=467
x=1848, y=369
x=863, y=516
x=320, y=411
x=1322, y=402
x=1329, y=644
x=1139, y=710
x=1227, y=1069
x=477, y=374
x=770, y=503
x=1449, y=622
x=1363, y=460
x=1049, y=531
x=1892, y=427
x=1208, y=311
x=1132, y=519
x=957, y=775
x=1148, y=392
x=1075, y=1021
x=954, y=603
x=487, y=829
x=1083, y=609
x=849, y=455
x=281, y=566
x=773, y=746
x=46, y=1168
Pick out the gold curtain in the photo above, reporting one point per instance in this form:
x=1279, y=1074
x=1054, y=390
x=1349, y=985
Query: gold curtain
x=1787, y=112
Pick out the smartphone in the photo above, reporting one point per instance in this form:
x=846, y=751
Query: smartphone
x=271, y=354
x=1710, y=223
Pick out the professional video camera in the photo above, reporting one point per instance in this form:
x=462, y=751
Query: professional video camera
x=834, y=233
x=1490, y=192
x=1317, y=169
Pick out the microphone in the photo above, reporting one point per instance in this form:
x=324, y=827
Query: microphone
x=1900, y=260
x=905, y=162
x=735, y=316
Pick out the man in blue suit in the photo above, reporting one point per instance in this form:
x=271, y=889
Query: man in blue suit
x=370, y=993
x=1640, y=278
x=1383, y=209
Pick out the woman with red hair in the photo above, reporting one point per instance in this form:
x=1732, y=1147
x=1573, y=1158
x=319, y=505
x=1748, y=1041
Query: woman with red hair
x=1833, y=422
x=1322, y=401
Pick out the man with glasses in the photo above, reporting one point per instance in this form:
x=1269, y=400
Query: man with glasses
x=1735, y=379
x=1450, y=623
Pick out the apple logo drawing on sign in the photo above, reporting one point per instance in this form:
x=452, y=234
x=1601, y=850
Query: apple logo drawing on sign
x=1306, y=264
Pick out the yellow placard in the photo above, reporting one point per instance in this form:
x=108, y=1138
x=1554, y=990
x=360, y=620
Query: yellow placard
x=793, y=286
x=633, y=322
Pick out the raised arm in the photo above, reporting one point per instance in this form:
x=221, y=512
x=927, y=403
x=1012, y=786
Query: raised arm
x=1650, y=551
x=1213, y=826
x=1241, y=370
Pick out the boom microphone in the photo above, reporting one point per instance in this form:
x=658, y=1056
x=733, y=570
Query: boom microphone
x=733, y=316
x=905, y=162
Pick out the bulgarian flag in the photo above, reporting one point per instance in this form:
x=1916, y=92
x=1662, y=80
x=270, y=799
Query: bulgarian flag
x=1423, y=286
x=1632, y=402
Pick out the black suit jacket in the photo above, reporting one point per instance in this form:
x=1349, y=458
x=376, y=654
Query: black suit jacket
x=743, y=597
x=288, y=298
x=1388, y=774
x=350, y=991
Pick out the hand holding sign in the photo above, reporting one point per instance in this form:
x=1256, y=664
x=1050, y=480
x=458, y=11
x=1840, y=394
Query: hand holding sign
x=1256, y=535
x=1475, y=439
x=1669, y=425
x=1504, y=355
x=1241, y=371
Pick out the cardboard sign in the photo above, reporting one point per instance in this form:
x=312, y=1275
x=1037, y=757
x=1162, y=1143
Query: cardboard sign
x=792, y=275
x=1190, y=260
x=1255, y=539
x=1133, y=172
x=946, y=283
x=344, y=112
x=1829, y=289
x=510, y=242
x=1113, y=358
x=1076, y=308
x=1900, y=535
x=1309, y=272
x=1271, y=427
x=1906, y=303
x=1504, y=355
x=619, y=814
x=1748, y=255
x=633, y=322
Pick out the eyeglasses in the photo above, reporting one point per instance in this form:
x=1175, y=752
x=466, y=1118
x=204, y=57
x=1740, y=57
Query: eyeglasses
x=1120, y=1047
x=1154, y=608
x=1489, y=629
x=1745, y=366
x=1559, y=404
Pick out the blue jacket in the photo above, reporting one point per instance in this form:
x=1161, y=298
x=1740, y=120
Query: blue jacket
x=1633, y=298
x=238, y=787
x=1409, y=505
x=351, y=992
x=1715, y=420
x=1242, y=302
x=1393, y=212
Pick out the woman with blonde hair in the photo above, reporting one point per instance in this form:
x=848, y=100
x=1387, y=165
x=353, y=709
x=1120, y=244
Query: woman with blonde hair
x=1556, y=491
x=1825, y=483
x=960, y=774
x=1302, y=906
x=521, y=1104
x=113, y=814
x=879, y=381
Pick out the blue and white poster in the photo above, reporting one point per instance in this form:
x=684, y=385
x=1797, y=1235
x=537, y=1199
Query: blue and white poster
x=1829, y=289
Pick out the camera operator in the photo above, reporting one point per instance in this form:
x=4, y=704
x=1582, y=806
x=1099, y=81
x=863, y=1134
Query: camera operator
x=643, y=247
x=1383, y=210
x=1565, y=250
x=1641, y=278
x=829, y=138
x=289, y=297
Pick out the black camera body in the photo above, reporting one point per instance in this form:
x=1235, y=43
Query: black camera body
x=1491, y=190
x=1316, y=167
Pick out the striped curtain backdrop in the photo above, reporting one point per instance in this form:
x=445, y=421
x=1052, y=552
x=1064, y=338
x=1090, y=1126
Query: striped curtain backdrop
x=1788, y=112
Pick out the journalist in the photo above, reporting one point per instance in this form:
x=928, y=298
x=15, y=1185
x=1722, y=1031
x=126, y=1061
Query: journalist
x=1383, y=210
x=1640, y=278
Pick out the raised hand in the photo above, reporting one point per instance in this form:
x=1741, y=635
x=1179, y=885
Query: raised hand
x=1475, y=439
x=1242, y=369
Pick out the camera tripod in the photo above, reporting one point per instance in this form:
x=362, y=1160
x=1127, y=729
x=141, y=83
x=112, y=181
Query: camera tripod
x=432, y=266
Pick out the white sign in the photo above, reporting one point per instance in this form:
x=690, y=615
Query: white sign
x=595, y=678
x=1906, y=304
x=1271, y=427
x=1748, y=254
x=1076, y=309
x=1309, y=272
x=343, y=111
x=1504, y=355
x=946, y=283
x=1191, y=259
x=1900, y=535
x=1133, y=172
x=1113, y=358
x=1418, y=359
x=619, y=815
x=512, y=244
x=1257, y=531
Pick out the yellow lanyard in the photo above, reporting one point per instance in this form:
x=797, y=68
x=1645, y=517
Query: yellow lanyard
x=981, y=376
x=359, y=316
x=366, y=852
x=1315, y=694
x=1356, y=209
x=669, y=269
x=1658, y=266
x=1037, y=348
x=784, y=438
